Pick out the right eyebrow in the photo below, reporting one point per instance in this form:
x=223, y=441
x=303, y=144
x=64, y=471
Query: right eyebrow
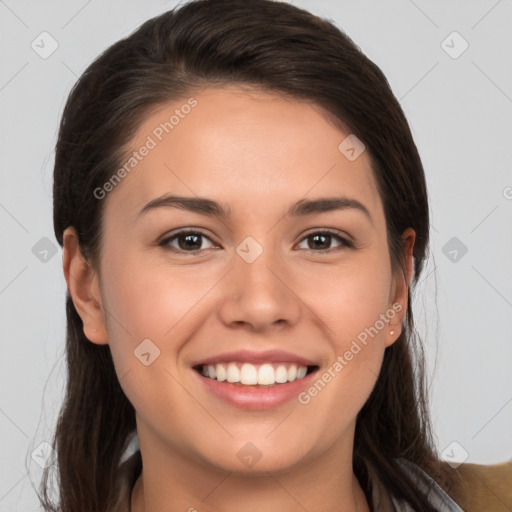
x=193, y=204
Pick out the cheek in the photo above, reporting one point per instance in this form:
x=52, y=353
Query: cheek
x=348, y=298
x=146, y=300
x=352, y=304
x=150, y=299
x=149, y=309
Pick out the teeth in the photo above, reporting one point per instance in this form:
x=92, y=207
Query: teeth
x=281, y=374
x=266, y=375
x=232, y=373
x=221, y=372
x=249, y=374
x=301, y=372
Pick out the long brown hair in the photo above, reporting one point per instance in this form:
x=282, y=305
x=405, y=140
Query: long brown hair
x=288, y=51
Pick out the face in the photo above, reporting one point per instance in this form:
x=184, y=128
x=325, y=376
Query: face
x=245, y=244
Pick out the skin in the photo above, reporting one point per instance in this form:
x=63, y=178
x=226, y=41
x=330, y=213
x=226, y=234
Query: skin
x=258, y=154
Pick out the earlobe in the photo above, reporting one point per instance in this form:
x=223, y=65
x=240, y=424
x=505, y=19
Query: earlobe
x=83, y=287
x=400, y=296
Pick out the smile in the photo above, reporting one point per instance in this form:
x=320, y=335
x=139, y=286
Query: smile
x=254, y=387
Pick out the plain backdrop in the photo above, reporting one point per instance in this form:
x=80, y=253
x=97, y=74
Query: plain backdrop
x=450, y=66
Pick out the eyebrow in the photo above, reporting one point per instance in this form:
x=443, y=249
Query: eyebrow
x=301, y=208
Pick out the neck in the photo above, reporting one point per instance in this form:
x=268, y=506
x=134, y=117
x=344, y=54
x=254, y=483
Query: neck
x=174, y=482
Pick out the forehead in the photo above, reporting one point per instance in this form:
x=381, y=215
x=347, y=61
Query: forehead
x=248, y=149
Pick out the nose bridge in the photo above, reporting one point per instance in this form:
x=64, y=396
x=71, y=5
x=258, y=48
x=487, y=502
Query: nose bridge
x=258, y=293
x=253, y=263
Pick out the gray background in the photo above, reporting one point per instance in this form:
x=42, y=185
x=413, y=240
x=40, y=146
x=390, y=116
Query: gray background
x=460, y=111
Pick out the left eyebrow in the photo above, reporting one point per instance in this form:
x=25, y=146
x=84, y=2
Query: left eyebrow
x=327, y=204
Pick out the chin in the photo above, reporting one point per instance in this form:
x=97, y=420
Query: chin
x=257, y=458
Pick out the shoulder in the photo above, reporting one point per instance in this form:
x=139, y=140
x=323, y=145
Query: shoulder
x=479, y=487
x=484, y=487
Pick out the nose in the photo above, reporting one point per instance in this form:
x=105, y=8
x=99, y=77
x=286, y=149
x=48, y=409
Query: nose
x=260, y=294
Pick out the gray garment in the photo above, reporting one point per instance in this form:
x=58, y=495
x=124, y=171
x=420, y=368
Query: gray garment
x=436, y=496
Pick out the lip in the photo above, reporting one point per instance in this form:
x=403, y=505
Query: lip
x=250, y=356
x=256, y=398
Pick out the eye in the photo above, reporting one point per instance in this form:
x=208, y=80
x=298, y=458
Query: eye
x=186, y=241
x=191, y=241
x=321, y=241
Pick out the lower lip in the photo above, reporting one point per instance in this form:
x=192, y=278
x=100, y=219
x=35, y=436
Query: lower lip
x=256, y=397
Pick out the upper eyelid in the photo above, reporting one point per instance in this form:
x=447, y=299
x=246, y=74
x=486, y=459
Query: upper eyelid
x=168, y=237
x=327, y=230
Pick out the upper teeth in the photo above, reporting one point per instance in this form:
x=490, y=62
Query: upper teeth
x=250, y=374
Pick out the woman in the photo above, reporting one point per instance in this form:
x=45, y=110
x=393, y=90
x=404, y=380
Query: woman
x=243, y=214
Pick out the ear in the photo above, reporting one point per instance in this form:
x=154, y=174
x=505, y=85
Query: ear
x=400, y=289
x=83, y=287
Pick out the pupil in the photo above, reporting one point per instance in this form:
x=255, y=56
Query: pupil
x=325, y=244
x=324, y=237
x=190, y=238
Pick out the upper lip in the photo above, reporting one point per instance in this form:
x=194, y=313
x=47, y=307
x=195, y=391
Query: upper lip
x=250, y=356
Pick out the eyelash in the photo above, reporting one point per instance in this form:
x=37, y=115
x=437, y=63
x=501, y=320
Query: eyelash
x=344, y=243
